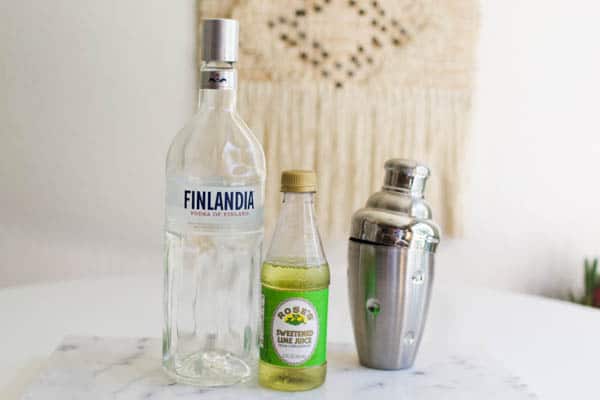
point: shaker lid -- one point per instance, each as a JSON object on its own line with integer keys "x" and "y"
{"x": 398, "y": 215}
{"x": 405, "y": 175}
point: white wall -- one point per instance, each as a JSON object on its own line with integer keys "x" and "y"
{"x": 533, "y": 204}
{"x": 91, "y": 93}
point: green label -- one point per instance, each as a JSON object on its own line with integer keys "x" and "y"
{"x": 294, "y": 327}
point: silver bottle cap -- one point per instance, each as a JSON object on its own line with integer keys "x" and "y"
{"x": 220, "y": 40}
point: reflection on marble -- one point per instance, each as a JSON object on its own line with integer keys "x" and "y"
{"x": 94, "y": 368}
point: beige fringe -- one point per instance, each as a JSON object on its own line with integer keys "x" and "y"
{"x": 346, "y": 136}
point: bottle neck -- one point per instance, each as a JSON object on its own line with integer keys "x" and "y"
{"x": 218, "y": 86}
{"x": 298, "y": 205}
{"x": 296, "y": 238}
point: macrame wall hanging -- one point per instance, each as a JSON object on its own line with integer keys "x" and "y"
{"x": 340, "y": 86}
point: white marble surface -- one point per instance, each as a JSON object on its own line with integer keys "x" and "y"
{"x": 96, "y": 368}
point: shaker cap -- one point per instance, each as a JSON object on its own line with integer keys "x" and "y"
{"x": 298, "y": 181}
{"x": 405, "y": 175}
{"x": 220, "y": 40}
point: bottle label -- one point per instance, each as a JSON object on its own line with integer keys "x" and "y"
{"x": 294, "y": 327}
{"x": 191, "y": 203}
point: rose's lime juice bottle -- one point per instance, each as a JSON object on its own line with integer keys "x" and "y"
{"x": 295, "y": 288}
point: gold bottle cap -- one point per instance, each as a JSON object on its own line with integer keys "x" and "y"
{"x": 298, "y": 181}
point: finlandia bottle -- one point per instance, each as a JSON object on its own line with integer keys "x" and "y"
{"x": 295, "y": 287}
{"x": 215, "y": 176}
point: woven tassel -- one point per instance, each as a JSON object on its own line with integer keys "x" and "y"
{"x": 347, "y": 134}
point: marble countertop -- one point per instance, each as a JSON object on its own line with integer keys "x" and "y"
{"x": 549, "y": 346}
{"x": 95, "y": 368}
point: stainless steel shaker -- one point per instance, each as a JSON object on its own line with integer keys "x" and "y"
{"x": 390, "y": 268}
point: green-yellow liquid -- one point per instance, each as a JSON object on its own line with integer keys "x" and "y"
{"x": 296, "y": 278}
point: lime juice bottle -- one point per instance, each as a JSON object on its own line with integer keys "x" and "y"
{"x": 295, "y": 288}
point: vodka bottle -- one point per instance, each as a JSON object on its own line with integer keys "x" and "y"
{"x": 295, "y": 282}
{"x": 215, "y": 176}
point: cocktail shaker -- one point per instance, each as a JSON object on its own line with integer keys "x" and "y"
{"x": 390, "y": 268}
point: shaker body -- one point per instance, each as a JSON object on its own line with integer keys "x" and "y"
{"x": 389, "y": 289}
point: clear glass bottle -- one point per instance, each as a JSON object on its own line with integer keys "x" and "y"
{"x": 215, "y": 176}
{"x": 295, "y": 287}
